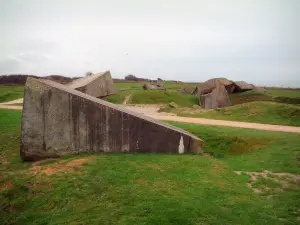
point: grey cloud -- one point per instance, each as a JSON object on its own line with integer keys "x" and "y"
{"x": 8, "y": 66}
{"x": 32, "y": 57}
{"x": 191, "y": 40}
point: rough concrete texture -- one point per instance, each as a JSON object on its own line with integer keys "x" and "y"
{"x": 58, "y": 120}
{"x": 259, "y": 89}
{"x": 160, "y": 82}
{"x": 218, "y": 98}
{"x": 154, "y": 85}
{"x": 243, "y": 86}
{"x": 97, "y": 85}
{"x": 149, "y": 86}
{"x": 209, "y": 85}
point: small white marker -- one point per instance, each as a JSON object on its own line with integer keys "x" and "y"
{"x": 181, "y": 146}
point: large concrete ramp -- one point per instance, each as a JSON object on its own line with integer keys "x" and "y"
{"x": 58, "y": 120}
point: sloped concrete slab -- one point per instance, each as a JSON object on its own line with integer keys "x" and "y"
{"x": 97, "y": 85}
{"x": 58, "y": 120}
{"x": 243, "y": 86}
{"x": 218, "y": 98}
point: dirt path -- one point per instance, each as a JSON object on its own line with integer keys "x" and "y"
{"x": 258, "y": 126}
{"x": 17, "y": 101}
{"x": 126, "y": 99}
{"x": 152, "y": 111}
{"x": 17, "y": 107}
{"x": 10, "y": 105}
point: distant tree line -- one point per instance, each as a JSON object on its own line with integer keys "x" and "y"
{"x": 131, "y": 77}
{"x": 20, "y": 79}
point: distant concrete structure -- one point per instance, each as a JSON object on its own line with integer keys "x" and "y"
{"x": 218, "y": 98}
{"x": 260, "y": 89}
{"x": 211, "y": 84}
{"x": 154, "y": 85}
{"x": 243, "y": 86}
{"x": 58, "y": 120}
{"x": 97, "y": 85}
{"x": 149, "y": 86}
{"x": 196, "y": 90}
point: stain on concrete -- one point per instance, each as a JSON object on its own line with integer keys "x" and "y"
{"x": 181, "y": 146}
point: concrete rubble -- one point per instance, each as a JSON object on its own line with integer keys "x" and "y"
{"x": 218, "y": 98}
{"x": 242, "y": 86}
{"x": 97, "y": 85}
{"x": 211, "y": 84}
{"x": 154, "y": 85}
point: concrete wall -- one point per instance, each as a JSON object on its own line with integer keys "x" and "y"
{"x": 58, "y": 120}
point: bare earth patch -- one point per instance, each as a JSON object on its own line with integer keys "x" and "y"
{"x": 60, "y": 166}
{"x": 126, "y": 99}
{"x": 262, "y": 181}
{"x": 6, "y": 185}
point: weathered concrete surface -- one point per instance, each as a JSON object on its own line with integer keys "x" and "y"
{"x": 209, "y": 85}
{"x": 97, "y": 85}
{"x": 149, "y": 86}
{"x": 154, "y": 85}
{"x": 259, "y": 89}
{"x": 243, "y": 86}
{"x": 218, "y": 98}
{"x": 58, "y": 120}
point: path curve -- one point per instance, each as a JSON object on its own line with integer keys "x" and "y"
{"x": 126, "y": 99}
{"x": 151, "y": 111}
{"x": 10, "y": 104}
{"x": 227, "y": 123}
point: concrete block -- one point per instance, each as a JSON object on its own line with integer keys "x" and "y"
{"x": 97, "y": 85}
{"x": 58, "y": 120}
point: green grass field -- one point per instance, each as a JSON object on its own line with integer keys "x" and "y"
{"x": 154, "y": 188}
{"x": 140, "y": 96}
{"x": 251, "y": 106}
{"x": 153, "y": 97}
{"x": 283, "y": 93}
{"x": 9, "y": 93}
{"x": 248, "y": 96}
{"x": 257, "y": 112}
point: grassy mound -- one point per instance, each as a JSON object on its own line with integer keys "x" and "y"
{"x": 153, "y": 97}
{"x": 9, "y": 93}
{"x": 248, "y": 96}
{"x": 140, "y": 96}
{"x": 118, "y": 98}
{"x": 287, "y": 100}
{"x": 257, "y": 112}
{"x": 152, "y": 188}
{"x": 163, "y": 97}
{"x": 290, "y": 93}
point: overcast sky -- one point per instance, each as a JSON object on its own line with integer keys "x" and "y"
{"x": 252, "y": 40}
